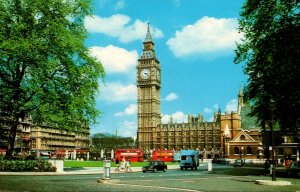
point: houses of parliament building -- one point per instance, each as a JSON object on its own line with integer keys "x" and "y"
{"x": 222, "y": 136}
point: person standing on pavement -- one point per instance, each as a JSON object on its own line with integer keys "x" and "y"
{"x": 128, "y": 165}
{"x": 118, "y": 165}
{"x": 123, "y": 164}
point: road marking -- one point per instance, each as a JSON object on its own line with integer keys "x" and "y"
{"x": 158, "y": 187}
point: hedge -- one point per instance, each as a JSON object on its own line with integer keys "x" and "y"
{"x": 26, "y": 165}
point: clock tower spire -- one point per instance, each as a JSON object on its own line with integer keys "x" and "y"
{"x": 148, "y": 92}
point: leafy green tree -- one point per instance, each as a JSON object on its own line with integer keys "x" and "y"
{"x": 46, "y": 72}
{"x": 107, "y": 141}
{"x": 270, "y": 49}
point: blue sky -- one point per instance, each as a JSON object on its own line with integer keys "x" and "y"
{"x": 194, "y": 41}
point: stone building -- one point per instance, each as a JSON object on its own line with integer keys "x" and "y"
{"x": 148, "y": 91}
{"x": 42, "y": 139}
{"x": 45, "y": 139}
{"x": 152, "y": 134}
{"x": 195, "y": 134}
{"x": 241, "y": 135}
{"x": 230, "y": 134}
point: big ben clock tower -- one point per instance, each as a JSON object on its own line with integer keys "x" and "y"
{"x": 148, "y": 90}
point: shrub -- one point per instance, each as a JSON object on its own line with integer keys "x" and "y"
{"x": 26, "y": 165}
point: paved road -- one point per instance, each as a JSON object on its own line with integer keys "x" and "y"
{"x": 172, "y": 180}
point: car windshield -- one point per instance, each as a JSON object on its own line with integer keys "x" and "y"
{"x": 154, "y": 163}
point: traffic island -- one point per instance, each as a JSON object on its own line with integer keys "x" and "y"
{"x": 108, "y": 181}
{"x": 273, "y": 183}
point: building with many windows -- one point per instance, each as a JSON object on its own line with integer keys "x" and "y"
{"x": 227, "y": 135}
{"x": 42, "y": 139}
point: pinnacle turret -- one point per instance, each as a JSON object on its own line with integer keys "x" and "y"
{"x": 148, "y": 35}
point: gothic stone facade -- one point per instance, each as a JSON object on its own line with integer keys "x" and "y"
{"x": 152, "y": 134}
{"x": 192, "y": 135}
{"x": 223, "y": 137}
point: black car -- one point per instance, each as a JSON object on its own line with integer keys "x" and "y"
{"x": 155, "y": 166}
{"x": 220, "y": 161}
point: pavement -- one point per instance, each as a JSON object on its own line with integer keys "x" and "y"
{"x": 81, "y": 171}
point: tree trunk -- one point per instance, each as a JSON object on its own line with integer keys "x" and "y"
{"x": 11, "y": 139}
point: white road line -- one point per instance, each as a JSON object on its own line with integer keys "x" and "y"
{"x": 158, "y": 187}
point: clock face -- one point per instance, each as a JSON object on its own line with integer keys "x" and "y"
{"x": 145, "y": 74}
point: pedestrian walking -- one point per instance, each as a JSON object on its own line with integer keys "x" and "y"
{"x": 128, "y": 165}
{"x": 123, "y": 165}
{"x": 287, "y": 165}
{"x": 118, "y": 165}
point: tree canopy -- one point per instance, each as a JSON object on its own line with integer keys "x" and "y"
{"x": 270, "y": 50}
{"x": 46, "y": 72}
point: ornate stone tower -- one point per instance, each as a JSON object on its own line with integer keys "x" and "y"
{"x": 148, "y": 90}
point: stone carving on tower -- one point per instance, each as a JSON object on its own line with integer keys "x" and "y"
{"x": 148, "y": 91}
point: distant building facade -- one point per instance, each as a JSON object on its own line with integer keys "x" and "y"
{"x": 32, "y": 138}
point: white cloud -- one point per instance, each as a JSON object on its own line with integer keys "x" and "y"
{"x": 130, "y": 110}
{"x": 116, "y": 91}
{"x": 207, "y": 110}
{"x": 118, "y": 26}
{"x": 171, "y": 97}
{"x": 207, "y": 35}
{"x": 231, "y": 105}
{"x": 120, "y": 5}
{"x": 115, "y": 59}
{"x": 178, "y": 117}
{"x": 128, "y": 129}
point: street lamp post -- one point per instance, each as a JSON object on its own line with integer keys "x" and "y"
{"x": 272, "y": 142}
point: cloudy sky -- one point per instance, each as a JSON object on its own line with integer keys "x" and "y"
{"x": 194, "y": 41}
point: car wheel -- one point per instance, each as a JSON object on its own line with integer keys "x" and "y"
{"x": 181, "y": 168}
{"x": 144, "y": 171}
{"x": 196, "y": 168}
{"x": 164, "y": 170}
{"x": 154, "y": 170}
{"x": 192, "y": 168}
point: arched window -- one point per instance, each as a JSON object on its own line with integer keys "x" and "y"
{"x": 236, "y": 150}
{"x": 249, "y": 150}
{"x": 242, "y": 138}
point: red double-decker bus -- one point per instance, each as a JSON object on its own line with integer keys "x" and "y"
{"x": 163, "y": 155}
{"x": 135, "y": 155}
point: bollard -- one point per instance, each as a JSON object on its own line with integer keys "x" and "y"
{"x": 209, "y": 168}
{"x": 106, "y": 169}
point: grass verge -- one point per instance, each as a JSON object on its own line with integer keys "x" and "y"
{"x": 70, "y": 163}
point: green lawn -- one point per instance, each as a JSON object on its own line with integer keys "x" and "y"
{"x": 70, "y": 163}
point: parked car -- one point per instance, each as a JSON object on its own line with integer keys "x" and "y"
{"x": 220, "y": 161}
{"x": 238, "y": 163}
{"x": 155, "y": 166}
